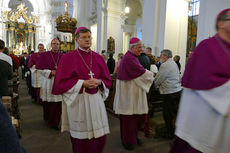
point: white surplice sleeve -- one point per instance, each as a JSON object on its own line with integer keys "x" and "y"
{"x": 104, "y": 92}
{"x": 218, "y": 98}
{"x": 70, "y": 96}
{"x": 145, "y": 80}
{"x": 203, "y": 119}
{"x": 45, "y": 73}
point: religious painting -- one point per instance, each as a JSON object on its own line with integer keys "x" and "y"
{"x": 111, "y": 44}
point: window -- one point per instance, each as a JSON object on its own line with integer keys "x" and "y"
{"x": 194, "y": 7}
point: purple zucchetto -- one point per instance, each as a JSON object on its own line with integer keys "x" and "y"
{"x": 223, "y": 11}
{"x": 134, "y": 40}
{"x": 79, "y": 29}
{"x": 54, "y": 39}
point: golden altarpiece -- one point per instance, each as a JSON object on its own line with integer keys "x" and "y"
{"x": 20, "y": 30}
{"x": 67, "y": 26}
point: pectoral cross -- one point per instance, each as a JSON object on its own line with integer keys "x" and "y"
{"x": 91, "y": 74}
{"x": 55, "y": 66}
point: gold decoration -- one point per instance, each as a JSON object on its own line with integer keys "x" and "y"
{"x": 20, "y": 35}
{"x": 20, "y": 12}
{"x": 66, "y": 23}
{"x": 66, "y": 6}
{"x": 5, "y": 15}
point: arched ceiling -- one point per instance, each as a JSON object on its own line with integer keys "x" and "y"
{"x": 135, "y": 11}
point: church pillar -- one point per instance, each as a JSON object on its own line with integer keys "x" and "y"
{"x": 26, "y": 38}
{"x": 81, "y": 12}
{"x": 105, "y": 14}
{"x": 150, "y": 24}
{"x": 166, "y": 27}
{"x": 34, "y": 38}
{"x": 99, "y": 25}
{"x": 7, "y": 35}
{"x": 30, "y": 32}
{"x": 11, "y": 31}
{"x": 115, "y": 21}
{"x": 207, "y": 17}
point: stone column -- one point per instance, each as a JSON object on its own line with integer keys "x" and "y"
{"x": 26, "y": 38}
{"x": 165, "y": 26}
{"x": 153, "y": 29}
{"x": 105, "y": 14}
{"x": 99, "y": 25}
{"x": 115, "y": 21}
{"x": 34, "y": 38}
{"x": 150, "y": 24}
{"x": 11, "y": 31}
{"x": 30, "y": 32}
{"x": 7, "y": 36}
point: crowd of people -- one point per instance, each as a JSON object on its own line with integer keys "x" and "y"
{"x": 72, "y": 88}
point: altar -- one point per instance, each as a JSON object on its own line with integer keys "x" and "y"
{"x": 20, "y": 30}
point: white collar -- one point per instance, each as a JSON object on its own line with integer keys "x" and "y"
{"x": 87, "y": 51}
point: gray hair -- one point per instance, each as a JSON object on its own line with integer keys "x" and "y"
{"x": 167, "y": 52}
{"x": 132, "y": 45}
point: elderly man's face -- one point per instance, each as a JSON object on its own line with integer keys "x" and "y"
{"x": 137, "y": 49}
{"x": 226, "y": 25}
{"x": 55, "y": 45}
{"x": 163, "y": 58}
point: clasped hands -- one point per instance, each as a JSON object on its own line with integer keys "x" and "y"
{"x": 91, "y": 83}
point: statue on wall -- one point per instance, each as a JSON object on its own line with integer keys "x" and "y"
{"x": 66, "y": 6}
{"x": 111, "y": 44}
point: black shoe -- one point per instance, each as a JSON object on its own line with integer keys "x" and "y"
{"x": 128, "y": 146}
{"x": 163, "y": 133}
{"x": 55, "y": 127}
{"x": 139, "y": 142}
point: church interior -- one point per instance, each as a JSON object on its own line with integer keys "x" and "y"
{"x": 178, "y": 25}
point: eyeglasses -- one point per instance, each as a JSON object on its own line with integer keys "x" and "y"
{"x": 84, "y": 38}
{"x": 226, "y": 19}
{"x": 55, "y": 43}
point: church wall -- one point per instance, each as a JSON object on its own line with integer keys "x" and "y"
{"x": 207, "y": 17}
{"x": 114, "y": 28}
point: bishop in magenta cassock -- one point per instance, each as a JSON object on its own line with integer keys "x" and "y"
{"x": 83, "y": 80}
{"x": 133, "y": 82}
{"x": 47, "y": 65}
{"x": 203, "y": 121}
{"x": 35, "y": 74}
